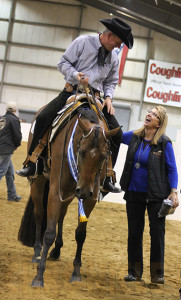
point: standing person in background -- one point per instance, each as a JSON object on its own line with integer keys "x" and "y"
{"x": 88, "y": 60}
{"x": 10, "y": 139}
{"x": 149, "y": 176}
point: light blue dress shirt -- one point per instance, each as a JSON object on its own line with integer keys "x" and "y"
{"x": 81, "y": 56}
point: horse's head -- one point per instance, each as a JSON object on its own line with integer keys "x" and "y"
{"x": 93, "y": 150}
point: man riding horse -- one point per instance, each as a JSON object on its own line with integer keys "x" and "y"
{"x": 89, "y": 60}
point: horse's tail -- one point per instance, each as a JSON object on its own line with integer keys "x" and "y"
{"x": 27, "y": 230}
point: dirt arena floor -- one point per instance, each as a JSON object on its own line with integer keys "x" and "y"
{"x": 104, "y": 259}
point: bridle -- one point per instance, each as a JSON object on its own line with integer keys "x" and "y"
{"x": 107, "y": 154}
{"x": 91, "y": 130}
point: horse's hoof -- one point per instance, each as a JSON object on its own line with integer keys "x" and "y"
{"x": 36, "y": 259}
{"x": 37, "y": 283}
{"x": 54, "y": 255}
{"x": 75, "y": 277}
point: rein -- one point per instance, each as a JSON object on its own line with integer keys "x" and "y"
{"x": 95, "y": 103}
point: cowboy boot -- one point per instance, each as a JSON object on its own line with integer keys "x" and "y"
{"x": 108, "y": 186}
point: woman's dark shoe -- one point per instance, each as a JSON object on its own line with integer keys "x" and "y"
{"x": 158, "y": 280}
{"x": 130, "y": 277}
{"x": 28, "y": 170}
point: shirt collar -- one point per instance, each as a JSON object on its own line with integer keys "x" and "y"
{"x": 97, "y": 40}
{"x": 98, "y": 45}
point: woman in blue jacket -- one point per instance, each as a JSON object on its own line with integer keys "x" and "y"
{"x": 149, "y": 176}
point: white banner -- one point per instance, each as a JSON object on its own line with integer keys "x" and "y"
{"x": 163, "y": 84}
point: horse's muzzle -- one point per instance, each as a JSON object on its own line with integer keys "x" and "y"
{"x": 83, "y": 194}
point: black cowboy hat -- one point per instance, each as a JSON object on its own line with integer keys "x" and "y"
{"x": 121, "y": 29}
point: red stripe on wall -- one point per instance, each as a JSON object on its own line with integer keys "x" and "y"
{"x": 122, "y": 63}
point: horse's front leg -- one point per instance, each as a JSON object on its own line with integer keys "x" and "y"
{"x": 48, "y": 240}
{"x": 80, "y": 236}
{"x": 49, "y": 237}
{"x": 55, "y": 253}
{"x": 39, "y": 191}
{"x": 38, "y": 245}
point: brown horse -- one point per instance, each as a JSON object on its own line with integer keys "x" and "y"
{"x": 90, "y": 143}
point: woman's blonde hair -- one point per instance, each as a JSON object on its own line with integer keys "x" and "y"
{"x": 163, "y": 118}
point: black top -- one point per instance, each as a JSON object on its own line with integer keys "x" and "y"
{"x": 10, "y": 133}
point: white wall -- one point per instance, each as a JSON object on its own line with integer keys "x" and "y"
{"x": 40, "y": 33}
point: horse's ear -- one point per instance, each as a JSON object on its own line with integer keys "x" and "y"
{"x": 112, "y": 132}
{"x": 82, "y": 125}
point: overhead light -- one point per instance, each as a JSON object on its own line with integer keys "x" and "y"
{"x": 127, "y": 15}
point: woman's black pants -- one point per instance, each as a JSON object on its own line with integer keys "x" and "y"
{"x": 136, "y": 222}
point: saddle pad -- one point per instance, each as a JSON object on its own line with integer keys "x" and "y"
{"x": 63, "y": 115}
{"x": 73, "y": 103}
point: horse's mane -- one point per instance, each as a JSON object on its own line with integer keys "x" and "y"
{"x": 89, "y": 114}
